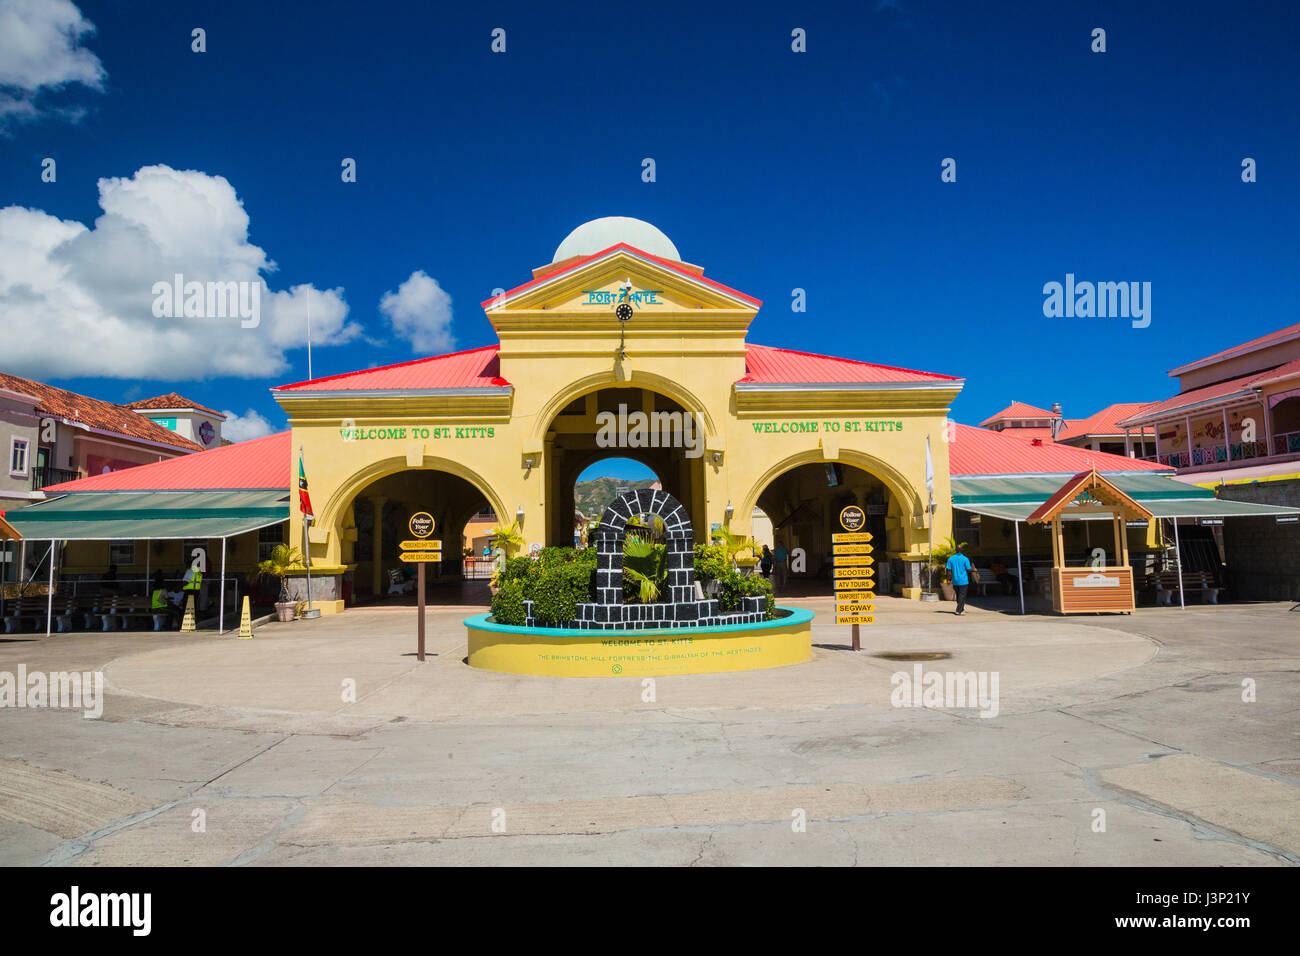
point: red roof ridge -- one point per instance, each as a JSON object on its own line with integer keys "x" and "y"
{"x": 838, "y": 358}
{"x": 383, "y": 368}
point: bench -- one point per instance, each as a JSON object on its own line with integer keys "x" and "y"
{"x": 25, "y": 609}
{"x": 1165, "y": 586}
{"x": 128, "y": 609}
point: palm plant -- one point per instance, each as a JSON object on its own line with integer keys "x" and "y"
{"x": 645, "y": 564}
{"x": 739, "y": 547}
{"x": 508, "y": 537}
{"x": 939, "y": 556}
{"x": 283, "y": 559}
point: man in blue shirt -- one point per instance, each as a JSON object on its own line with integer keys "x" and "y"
{"x": 780, "y": 557}
{"x": 959, "y": 567}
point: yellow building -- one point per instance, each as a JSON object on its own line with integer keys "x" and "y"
{"x": 618, "y": 348}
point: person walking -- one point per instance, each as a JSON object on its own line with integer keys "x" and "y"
{"x": 959, "y": 567}
{"x": 780, "y": 564}
{"x": 766, "y": 562}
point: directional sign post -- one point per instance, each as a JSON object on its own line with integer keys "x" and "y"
{"x": 420, "y": 551}
{"x": 851, "y": 553}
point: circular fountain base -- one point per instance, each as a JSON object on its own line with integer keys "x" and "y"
{"x": 572, "y": 652}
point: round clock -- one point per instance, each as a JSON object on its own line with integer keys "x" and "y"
{"x": 624, "y": 312}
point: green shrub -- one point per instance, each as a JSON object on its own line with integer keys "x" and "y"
{"x": 508, "y": 603}
{"x": 758, "y": 586}
{"x": 711, "y": 562}
{"x": 731, "y": 587}
{"x": 558, "y": 591}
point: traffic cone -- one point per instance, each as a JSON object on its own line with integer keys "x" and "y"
{"x": 187, "y": 622}
{"x": 246, "y": 622}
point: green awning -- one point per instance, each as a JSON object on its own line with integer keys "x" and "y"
{"x": 153, "y": 515}
{"x": 1015, "y": 499}
{"x": 1140, "y": 486}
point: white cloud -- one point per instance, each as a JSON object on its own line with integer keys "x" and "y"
{"x": 246, "y": 426}
{"x": 40, "y": 50}
{"x": 79, "y": 301}
{"x": 420, "y": 311}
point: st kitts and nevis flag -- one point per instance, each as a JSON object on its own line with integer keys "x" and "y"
{"x": 304, "y": 499}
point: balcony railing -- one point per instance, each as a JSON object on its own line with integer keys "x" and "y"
{"x": 52, "y": 476}
{"x": 1287, "y": 443}
{"x": 1220, "y": 454}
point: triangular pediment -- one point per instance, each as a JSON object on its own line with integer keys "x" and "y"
{"x": 598, "y": 284}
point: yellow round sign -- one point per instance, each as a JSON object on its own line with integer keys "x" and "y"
{"x": 852, "y": 518}
{"x": 421, "y": 524}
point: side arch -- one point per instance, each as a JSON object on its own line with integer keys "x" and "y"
{"x": 343, "y": 496}
{"x": 892, "y": 478}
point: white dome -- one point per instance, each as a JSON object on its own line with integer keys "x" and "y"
{"x": 592, "y": 237}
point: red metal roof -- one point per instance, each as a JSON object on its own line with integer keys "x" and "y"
{"x": 980, "y": 451}
{"x": 95, "y": 413}
{"x": 1104, "y": 422}
{"x": 1207, "y": 394}
{"x": 1016, "y": 411}
{"x": 773, "y": 366}
{"x": 562, "y": 269}
{"x": 1026, "y": 434}
{"x": 257, "y": 463}
{"x": 172, "y": 401}
{"x": 1281, "y": 335}
{"x": 475, "y": 368}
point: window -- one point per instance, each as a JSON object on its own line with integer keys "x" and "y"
{"x": 267, "y": 539}
{"x": 18, "y": 457}
{"x": 121, "y": 553}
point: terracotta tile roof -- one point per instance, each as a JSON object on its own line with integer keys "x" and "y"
{"x": 773, "y": 366}
{"x": 1272, "y": 338}
{"x": 476, "y": 368}
{"x": 95, "y": 413}
{"x": 980, "y": 451}
{"x": 172, "y": 400}
{"x": 265, "y": 462}
{"x": 1017, "y": 410}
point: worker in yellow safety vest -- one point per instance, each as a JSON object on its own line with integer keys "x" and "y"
{"x": 158, "y": 602}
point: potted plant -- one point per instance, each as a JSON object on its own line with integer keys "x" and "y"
{"x": 508, "y": 538}
{"x": 282, "y": 560}
{"x": 939, "y": 566}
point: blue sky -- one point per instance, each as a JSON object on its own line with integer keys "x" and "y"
{"x": 775, "y": 170}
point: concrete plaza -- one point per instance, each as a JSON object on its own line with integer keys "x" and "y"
{"x": 1134, "y": 722}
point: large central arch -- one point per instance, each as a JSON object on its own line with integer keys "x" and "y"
{"x": 569, "y": 428}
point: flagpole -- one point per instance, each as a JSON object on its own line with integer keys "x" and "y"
{"x": 309, "y": 335}
{"x": 929, "y": 488}
{"x": 306, "y": 536}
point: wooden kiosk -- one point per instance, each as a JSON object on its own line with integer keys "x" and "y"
{"x": 1089, "y": 590}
